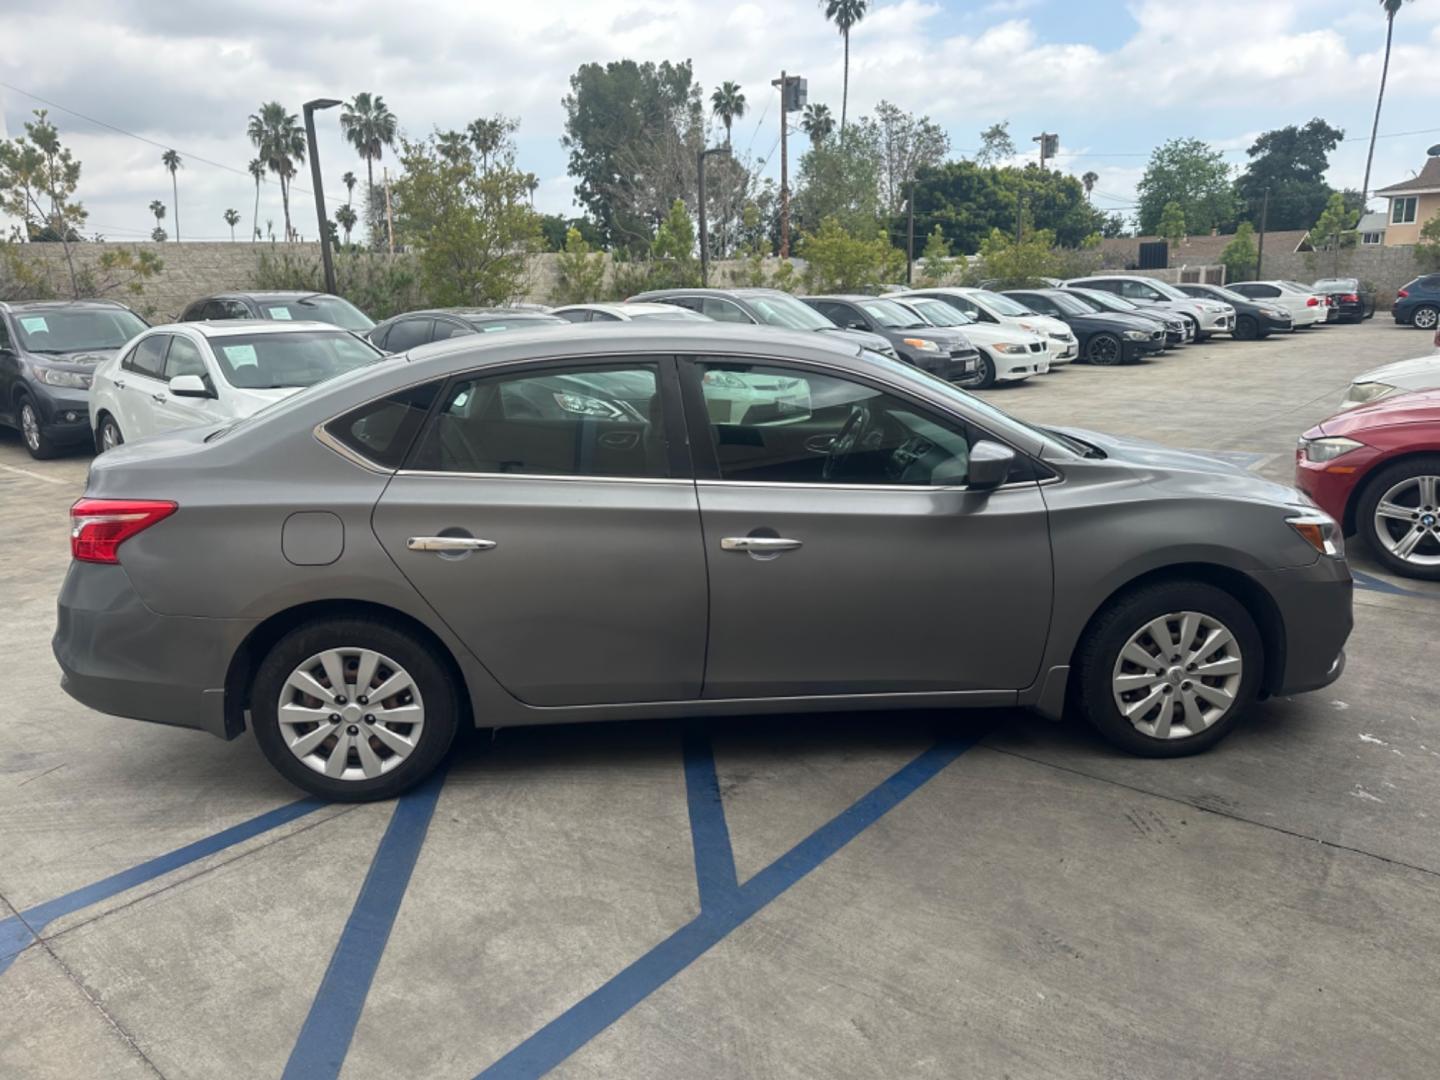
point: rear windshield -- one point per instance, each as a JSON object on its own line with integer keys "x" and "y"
{"x": 56, "y": 330}
{"x": 1002, "y": 305}
{"x": 938, "y": 312}
{"x": 788, "y": 313}
{"x": 304, "y": 358}
{"x": 317, "y": 308}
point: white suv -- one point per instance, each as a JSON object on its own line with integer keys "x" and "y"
{"x": 1207, "y": 316}
{"x": 198, "y": 373}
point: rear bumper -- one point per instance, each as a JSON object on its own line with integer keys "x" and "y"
{"x": 119, "y": 657}
{"x": 1315, "y": 610}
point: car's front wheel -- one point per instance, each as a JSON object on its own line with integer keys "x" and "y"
{"x": 40, "y": 445}
{"x": 1399, "y": 516}
{"x": 1168, "y": 669}
{"x": 353, "y": 709}
{"x": 1106, "y": 350}
{"x": 1246, "y": 328}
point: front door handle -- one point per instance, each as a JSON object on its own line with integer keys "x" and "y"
{"x": 761, "y": 544}
{"x": 157, "y": 397}
{"x": 119, "y": 384}
{"x": 448, "y": 543}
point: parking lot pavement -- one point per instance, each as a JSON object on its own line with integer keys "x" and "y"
{"x": 892, "y": 894}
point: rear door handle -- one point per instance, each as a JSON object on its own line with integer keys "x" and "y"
{"x": 448, "y": 543}
{"x": 119, "y": 384}
{"x": 758, "y": 543}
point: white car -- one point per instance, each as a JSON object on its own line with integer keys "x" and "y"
{"x": 1306, "y": 307}
{"x": 1007, "y": 353}
{"x": 636, "y": 312}
{"x": 1206, "y": 316}
{"x": 199, "y": 373}
{"x": 1401, "y": 377}
{"x": 993, "y": 309}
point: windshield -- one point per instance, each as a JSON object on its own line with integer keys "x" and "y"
{"x": 938, "y": 312}
{"x": 56, "y": 330}
{"x": 300, "y": 397}
{"x": 1221, "y": 293}
{"x": 673, "y": 315}
{"x": 494, "y": 324}
{"x": 320, "y": 308}
{"x": 1104, "y": 301}
{"x": 787, "y": 312}
{"x": 1336, "y": 283}
{"x": 1167, "y": 290}
{"x": 888, "y": 313}
{"x": 304, "y": 358}
{"x": 1001, "y": 305}
{"x": 1071, "y": 305}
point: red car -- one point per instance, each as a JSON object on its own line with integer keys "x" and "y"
{"x": 1376, "y": 470}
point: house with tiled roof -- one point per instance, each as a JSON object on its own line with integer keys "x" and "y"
{"x": 1412, "y": 203}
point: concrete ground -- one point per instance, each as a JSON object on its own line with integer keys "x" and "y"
{"x": 931, "y": 895}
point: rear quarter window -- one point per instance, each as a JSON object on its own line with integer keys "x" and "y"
{"x": 382, "y": 431}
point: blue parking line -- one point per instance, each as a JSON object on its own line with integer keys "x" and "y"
{"x": 1375, "y": 584}
{"x": 18, "y": 931}
{"x": 568, "y": 1032}
{"x": 325, "y": 1036}
{"x": 709, "y": 835}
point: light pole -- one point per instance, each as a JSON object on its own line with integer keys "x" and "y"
{"x": 700, "y": 156}
{"x": 310, "y": 107}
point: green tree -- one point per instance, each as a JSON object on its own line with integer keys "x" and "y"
{"x": 1427, "y": 251}
{"x": 907, "y": 143}
{"x": 969, "y": 200}
{"x": 473, "y": 230}
{"x": 839, "y": 261}
{"x": 157, "y": 209}
{"x": 1017, "y": 265}
{"x": 728, "y": 103}
{"x": 369, "y": 126}
{"x": 840, "y": 179}
{"x": 1290, "y": 164}
{"x": 489, "y": 135}
{"x": 632, "y": 131}
{"x": 280, "y": 140}
{"x": 349, "y": 181}
{"x": 1188, "y": 172}
{"x": 173, "y": 164}
{"x": 995, "y": 144}
{"x": 1172, "y": 224}
{"x": 579, "y": 272}
{"x": 846, "y": 15}
{"x": 257, "y": 170}
{"x": 1088, "y": 181}
{"x": 1334, "y": 230}
{"x": 1391, "y": 8}
{"x": 1240, "y": 255}
{"x": 38, "y": 179}
{"x": 674, "y": 264}
{"x": 159, "y": 235}
{"x": 817, "y": 122}
{"x": 347, "y": 218}
{"x": 935, "y": 262}
{"x": 232, "y": 218}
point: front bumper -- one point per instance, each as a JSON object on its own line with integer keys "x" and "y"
{"x": 1134, "y": 350}
{"x": 119, "y": 657}
{"x": 1216, "y": 322}
{"x": 64, "y": 414}
{"x": 1315, "y": 605}
{"x": 1274, "y": 326}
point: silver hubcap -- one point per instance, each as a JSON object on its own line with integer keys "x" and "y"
{"x": 1426, "y": 318}
{"x": 30, "y": 426}
{"x": 351, "y": 713}
{"x": 1407, "y": 520}
{"x": 109, "y": 436}
{"x": 1178, "y": 675}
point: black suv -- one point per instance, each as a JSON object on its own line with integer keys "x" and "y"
{"x": 286, "y": 306}
{"x": 48, "y": 353}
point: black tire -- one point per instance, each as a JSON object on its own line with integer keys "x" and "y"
{"x": 1425, "y": 317}
{"x": 987, "y": 373}
{"x": 1124, "y": 616}
{"x": 108, "y": 425}
{"x": 1246, "y": 328}
{"x": 1105, "y": 350}
{"x": 1377, "y": 486}
{"x": 436, "y": 687}
{"x": 40, "y": 445}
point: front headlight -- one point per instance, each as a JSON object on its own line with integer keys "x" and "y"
{"x": 1136, "y": 335}
{"x": 921, "y": 344}
{"x": 1011, "y": 348}
{"x": 1274, "y": 313}
{"x": 1320, "y": 532}
{"x": 1320, "y": 451}
{"x": 1366, "y": 392}
{"x": 76, "y": 380}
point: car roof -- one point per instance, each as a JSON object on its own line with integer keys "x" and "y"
{"x": 628, "y": 307}
{"x": 476, "y": 313}
{"x": 53, "y": 305}
{"x": 231, "y": 327}
{"x": 266, "y": 294}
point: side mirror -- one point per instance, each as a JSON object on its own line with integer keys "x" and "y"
{"x": 856, "y": 324}
{"x": 192, "y": 386}
{"x": 985, "y": 316}
{"x": 990, "y": 465}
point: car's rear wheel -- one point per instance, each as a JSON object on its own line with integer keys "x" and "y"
{"x": 1246, "y": 328}
{"x": 987, "y": 372}
{"x": 40, "y": 445}
{"x": 108, "y": 437}
{"x": 1426, "y": 317}
{"x": 353, "y": 709}
{"x": 1399, "y": 515}
{"x": 1105, "y": 350}
{"x": 1168, "y": 669}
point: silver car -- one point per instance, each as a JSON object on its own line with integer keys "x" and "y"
{"x": 553, "y": 525}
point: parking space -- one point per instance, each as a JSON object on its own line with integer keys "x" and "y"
{"x": 920, "y": 894}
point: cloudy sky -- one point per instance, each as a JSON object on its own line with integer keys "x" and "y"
{"x": 1113, "y": 77}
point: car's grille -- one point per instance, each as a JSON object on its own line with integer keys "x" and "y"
{"x": 1063, "y": 337}
{"x": 1038, "y": 346}
{"x": 964, "y": 354}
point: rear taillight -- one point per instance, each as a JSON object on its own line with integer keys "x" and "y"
{"x": 100, "y": 526}
{"x": 1314, "y": 301}
{"x": 1349, "y": 298}
{"x": 1402, "y": 294}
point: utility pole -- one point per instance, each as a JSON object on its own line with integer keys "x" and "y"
{"x": 700, "y": 156}
{"x": 1049, "y": 146}
{"x": 389, "y": 215}
{"x": 1020, "y": 217}
{"x": 310, "y": 107}
{"x": 910, "y": 233}
{"x": 792, "y": 97}
{"x": 1260, "y": 247}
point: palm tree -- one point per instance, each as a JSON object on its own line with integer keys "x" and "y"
{"x": 232, "y": 218}
{"x": 158, "y": 209}
{"x": 845, "y": 14}
{"x": 1090, "y": 179}
{"x": 278, "y": 136}
{"x": 171, "y": 160}
{"x": 369, "y": 126}
{"x": 349, "y": 181}
{"x": 345, "y": 215}
{"x": 1391, "y": 8}
{"x": 257, "y": 170}
{"x": 817, "y": 122}
{"x": 728, "y": 103}
{"x": 487, "y": 134}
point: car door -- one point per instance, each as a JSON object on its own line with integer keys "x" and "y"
{"x": 858, "y": 575}
{"x": 9, "y": 373}
{"x": 168, "y": 411}
{"x": 140, "y": 385}
{"x": 548, "y": 515}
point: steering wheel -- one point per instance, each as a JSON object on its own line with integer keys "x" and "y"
{"x": 845, "y": 441}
